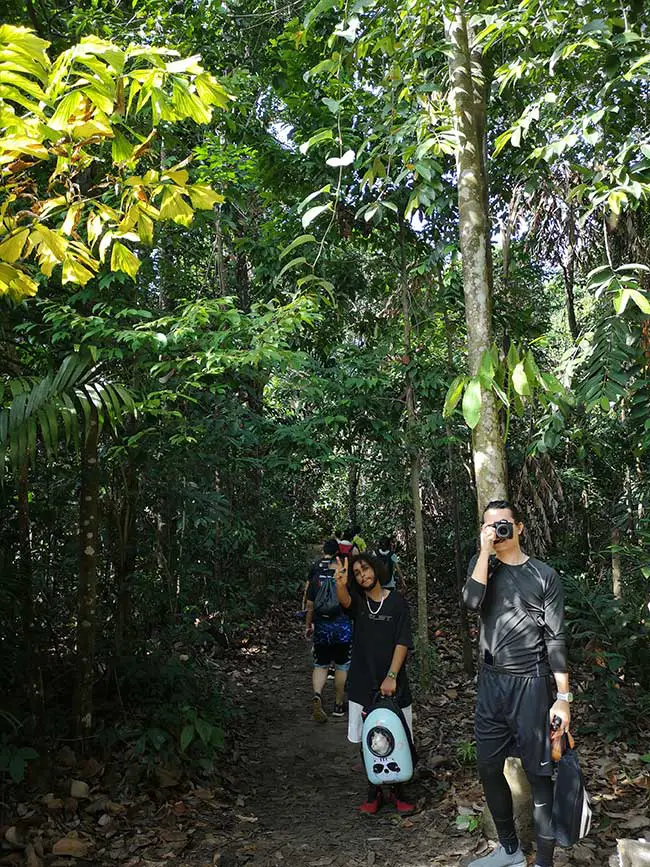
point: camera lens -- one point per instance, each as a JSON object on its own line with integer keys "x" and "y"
{"x": 503, "y": 529}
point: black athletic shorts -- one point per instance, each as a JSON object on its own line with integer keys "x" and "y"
{"x": 512, "y": 719}
{"x": 339, "y": 654}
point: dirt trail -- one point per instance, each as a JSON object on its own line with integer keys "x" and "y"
{"x": 303, "y": 782}
{"x": 297, "y": 784}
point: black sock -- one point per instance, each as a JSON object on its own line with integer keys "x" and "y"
{"x": 373, "y": 792}
{"x": 499, "y": 799}
{"x": 544, "y": 855}
{"x": 509, "y": 843}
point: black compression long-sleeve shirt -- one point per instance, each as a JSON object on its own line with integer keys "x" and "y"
{"x": 510, "y": 638}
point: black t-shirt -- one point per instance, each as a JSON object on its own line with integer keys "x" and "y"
{"x": 373, "y": 644}
{"x": 520, "y": 642}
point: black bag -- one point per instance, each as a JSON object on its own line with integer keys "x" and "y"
{"x": 571, "y": 805}
{"x": 326, "y": 603}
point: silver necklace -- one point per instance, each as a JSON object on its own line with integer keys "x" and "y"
{"x": 383, "y": 598}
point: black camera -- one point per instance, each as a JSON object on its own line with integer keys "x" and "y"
{"x": 503, "y": 528}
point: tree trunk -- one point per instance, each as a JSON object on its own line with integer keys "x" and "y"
{"x": 568, "y": 269}
{"x": 126, "y": 554}
{"x": 353, "y": 489}
{"x": 33, "y": 682}
{"x": 222, "y": 281}
{"x": 88, "y": 543}
{"x": 468, "y": 104}
{"x": 616, "y": 564}
{"x": 25, "y": 558}
{"x": 416, "y": 465}
{"x": 463, "y": 622}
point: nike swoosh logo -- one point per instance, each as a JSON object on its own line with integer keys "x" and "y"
{"x": 539, "y": 805}
{"x": 544, "y": 763}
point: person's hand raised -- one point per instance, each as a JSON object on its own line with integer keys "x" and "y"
{"x": 341, "y": 573}
{"x": 488, "y": 537}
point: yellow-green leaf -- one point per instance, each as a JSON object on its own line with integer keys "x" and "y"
{"x": 75, "y": 272}
{"x": 186, "y": 64}
{"x": 189, "y": 105}
{"x": 15, "y": 283}
{"x": 180, "y": 176}
{"x": 145, "y": 229}
{"x": 123, "y": 259}
{"x": 203, "y": 197}
{"x": 72, "y": 218}
{"x": 51, "y": 247}
{"x": 211, "y": 92}
{"x": 70, "y": 105}
{"x": 174, "y": 207}
{"x": 121, "y": 148}
{"x": 12, "y": 247}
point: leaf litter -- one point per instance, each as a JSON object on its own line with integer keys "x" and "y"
{"x": 288, "y": 789}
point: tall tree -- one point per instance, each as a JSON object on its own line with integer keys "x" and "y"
{"x": 468, "y": 103}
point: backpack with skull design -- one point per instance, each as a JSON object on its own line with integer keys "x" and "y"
{"x": 388, "y": 752}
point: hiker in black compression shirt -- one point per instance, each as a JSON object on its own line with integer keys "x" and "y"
{"x": 523, "y": 680}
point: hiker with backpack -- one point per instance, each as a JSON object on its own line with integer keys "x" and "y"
{"x": 523, "y": 684}
{"x": 331, "y": 631}
{"x": 381, "y": 641}
{"x": 389, "y": 558}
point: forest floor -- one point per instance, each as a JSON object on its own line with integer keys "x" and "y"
{"x": 289, "y": 790}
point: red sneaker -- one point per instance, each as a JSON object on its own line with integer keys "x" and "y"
{"x": 371, "y": 807}
{"x": 401, "y": 806}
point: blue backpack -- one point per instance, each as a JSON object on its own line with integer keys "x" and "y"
{"x": 388, "y": 752}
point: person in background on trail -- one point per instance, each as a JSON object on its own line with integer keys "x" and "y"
{"x": 381, "y": 641}
{"x": 523, "y": 656}
{"x": 347, "y": 548}
{"x": 315, "y": 567}
{"x": 357, "y": 539}
{"x": 332, "y": 633}
{"x": 390, "y": 560}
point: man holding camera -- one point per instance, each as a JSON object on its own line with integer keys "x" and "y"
{"x": 523, "y": 680}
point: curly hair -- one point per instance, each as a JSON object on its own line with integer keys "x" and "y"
{"x": 377, "y": 565}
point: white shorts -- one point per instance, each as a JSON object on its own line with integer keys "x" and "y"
{"x": 355, "y": 720}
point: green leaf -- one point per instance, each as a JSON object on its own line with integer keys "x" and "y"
{"x": 333, "y": 105}
{"x": 204, "y": 729}
{"x": 310, "y": 198}
{"x": 454, "y": 393}
{"x": 17, "y": 767}
{"x": 317, "y": 138}
{"x": 293, "y": 263}
{"x": 297, "y": 242}
{"x": 486, "y": 370}
{"x": 520, "y": 380}
{"x": 187, "y": 736}
{"x": 319, "y": 9}
{"x": 472, "y": 403}
{"x": 310, "y": 215}
{"x": 640, "y": 300}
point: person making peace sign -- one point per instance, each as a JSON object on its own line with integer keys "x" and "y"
{"x": 381, "y": 641}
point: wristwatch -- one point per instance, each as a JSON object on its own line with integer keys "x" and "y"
{"x": 392, "y": 675}
{"x": 564, "y": 696}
